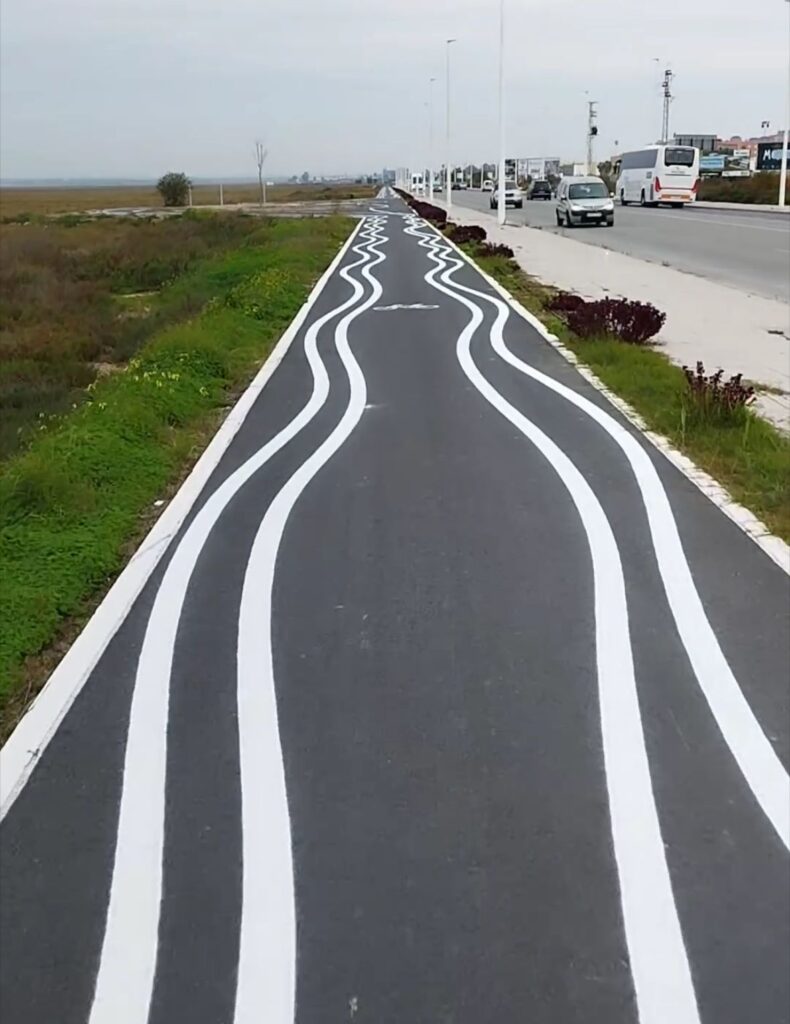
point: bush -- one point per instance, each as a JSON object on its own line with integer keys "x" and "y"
{"x": 487, "y": 249}
{"x": 634, "y": 322}
{"x": 462, "y": 234}
{"x": 760, "y": 188}
{"x": 564, "y": 302}
{"x": 174, "y": 188}
{"x": 712, "y": 398}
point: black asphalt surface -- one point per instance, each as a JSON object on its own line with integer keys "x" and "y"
{"x": 436, "y": 667}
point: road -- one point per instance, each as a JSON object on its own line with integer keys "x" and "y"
{"x": 748, "y": 250}
{"x": 451, "y": 701}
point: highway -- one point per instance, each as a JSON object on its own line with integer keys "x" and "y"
{"x": 450, "y": 700}
{"x": 748, "y": 250}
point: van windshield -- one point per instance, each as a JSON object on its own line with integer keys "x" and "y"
{"x": 588, "y": 190}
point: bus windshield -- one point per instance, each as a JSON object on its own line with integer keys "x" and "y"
{"x": 676, "y": 156}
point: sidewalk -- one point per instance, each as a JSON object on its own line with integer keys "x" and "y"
{"x": 721, "y": 326}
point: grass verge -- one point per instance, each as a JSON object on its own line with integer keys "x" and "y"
{"x": 70, "y": 503}
{"x": 750, "y": 459}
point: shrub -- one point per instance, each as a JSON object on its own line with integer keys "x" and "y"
{"x": 564, "y": 302}
{"x": 713, "y": 398}
{"x": 489, "y": 249}
{"x": 174, "y": 188}
{"x": 634, "y": 322}
{"x": 464, "y": 233}
{"x": 760, "y": 188}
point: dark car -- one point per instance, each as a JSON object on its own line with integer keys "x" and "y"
{"x": 539, "y": 190}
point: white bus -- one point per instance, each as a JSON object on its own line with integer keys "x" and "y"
{"x": 658, "y": 174}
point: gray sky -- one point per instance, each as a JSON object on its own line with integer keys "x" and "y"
{"x": 136, "y": 87}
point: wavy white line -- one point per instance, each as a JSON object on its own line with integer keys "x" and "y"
{"x": 659, "y": 964}
{"x": 267, "y": 956}
{"x": 127, "y": 966}
{"x": 758, "y": 761}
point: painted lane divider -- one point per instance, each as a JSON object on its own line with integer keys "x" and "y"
{"x": 265, "y": 989}
{"x": 659, "y": 963}
{"x": 127, "y": 966}
{"x": 753, "y": 752}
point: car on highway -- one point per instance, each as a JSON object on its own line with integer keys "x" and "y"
{"x": 584, "y": 200}
{"x": 513, "y": 196}
{"x": 540, "y": 189}
{"x": 459, "y": 186}
{"x": 487, "y": 186}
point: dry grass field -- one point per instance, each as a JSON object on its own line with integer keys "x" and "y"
{"x": 17, "y": 201}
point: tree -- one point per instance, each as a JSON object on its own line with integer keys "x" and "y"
{"x": 260, "y": 157}
{"x": 174, "y": 188}
{"x": 606, "y": 171}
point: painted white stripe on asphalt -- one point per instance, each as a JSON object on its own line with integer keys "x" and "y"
{"x": 659, "y": 964}
{"x": 30, "y": 738}
{"x": 125, "y": 978}
{"x": 265, "y": 990}
{"x": 751, "y": 748}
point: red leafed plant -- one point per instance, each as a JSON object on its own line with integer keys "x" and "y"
{"x": 489, "y": 249}
{"x": 713, "y": 397}
{"x": 626, "y": 319}
{"x": 462, "y": 233}
{"x": 564, "y": 302}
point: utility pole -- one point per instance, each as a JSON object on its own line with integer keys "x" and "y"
{"x": 592, "y": 131}
{"x": 430, "y": 138}
{"x": 666, "y": 87}
{"x": 785, "y": 157}
{"x": 501, "y": 211}
{"x": 260, "y": 157}
{"x": 447, "y": 172}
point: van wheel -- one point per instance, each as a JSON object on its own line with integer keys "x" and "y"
{"x": 642, "y": 201}
{"x": 623, "y": 200}
{"x": 568, "y": 221}
{"x": 559, "y": 219}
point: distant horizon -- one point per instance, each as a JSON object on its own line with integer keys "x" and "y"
{"x": 107, "y": 181}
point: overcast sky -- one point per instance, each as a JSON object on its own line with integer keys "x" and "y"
{"x": 136, "y": 87}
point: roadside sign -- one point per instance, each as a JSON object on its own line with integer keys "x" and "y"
{"x": 769, "y": 156}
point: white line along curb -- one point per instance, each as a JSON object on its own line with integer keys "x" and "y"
{"x": 29, "y": 739}
{"x": 776, "y": 549}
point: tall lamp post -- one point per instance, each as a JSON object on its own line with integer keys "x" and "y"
{"x": 783, "y": 172}
{"x": 501, "y": 212}
{"x": 448, "y": 174}
{"x": 430, "y": 139}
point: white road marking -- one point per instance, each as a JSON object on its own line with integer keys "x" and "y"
{"x": 125, "y": 978}
{"x": 398, "y": 305}
{"x": 265, "y": 989}
{"x": 30, "y": 738}
{"x": 751, "y": 748}
{"x": 659, "y": 964}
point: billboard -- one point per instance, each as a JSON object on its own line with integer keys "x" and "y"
{"x": 537, "y": 167}
{"x": 711, "y": 163}
{"x": 769, "y": 156}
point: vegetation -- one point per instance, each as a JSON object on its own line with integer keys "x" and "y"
{"x": 743, "y": 452}
{"x": 174, "y": 188}
{"x": 25, "y": 204}
{"x": 77, "y": 299}
{"x": 711, "y": 398}
{"x": 759, "y": 188}
{"x": 624, "y": 319}
{"x": 73, "y": 502}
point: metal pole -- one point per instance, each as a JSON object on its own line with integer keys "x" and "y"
{"x": 590, "y": 133}
{"x": 221, "y": 196}
{"x": 447, "y": 172}
{"x": 430, "y": 139}
{"x": 501, "y": 213}
{"x": 783, "y": 172}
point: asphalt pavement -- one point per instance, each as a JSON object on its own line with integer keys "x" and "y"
{"x": 749, "y": 250}
{"x": 452, "y": 700}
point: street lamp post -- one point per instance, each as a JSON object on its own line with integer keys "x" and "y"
{"x": 501, "y": 212}
{"x": 430, "y": 139}
{"x": 447, "y": 172}
{"x": 783, "y": 172}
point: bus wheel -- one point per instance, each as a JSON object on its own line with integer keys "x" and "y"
{"x": 623, "y": 200}
{"x": 678, "y": 206}
{"x": 642, "y": 201}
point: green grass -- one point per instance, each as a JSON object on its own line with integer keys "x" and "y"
{"x": 71, "y": 502}
{"x": 748, "y": 456}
